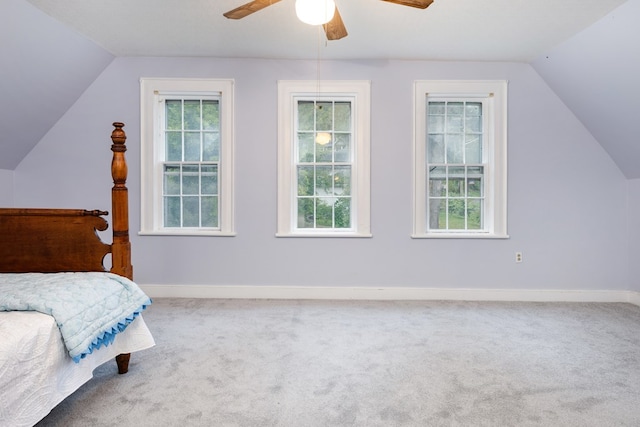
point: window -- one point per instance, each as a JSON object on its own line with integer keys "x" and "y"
{"x": 460, "y": 151}
{"x": 323, "y": 158}
{"x": 187, "y": 156}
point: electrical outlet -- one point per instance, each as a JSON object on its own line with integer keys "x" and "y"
{"x": 518, "y": 256}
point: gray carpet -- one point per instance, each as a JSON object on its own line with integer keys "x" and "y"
{"x": 345, "y": 363}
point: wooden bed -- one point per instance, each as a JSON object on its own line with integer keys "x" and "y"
{"x": 67, "y": 240}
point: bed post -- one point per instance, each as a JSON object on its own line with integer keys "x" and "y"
{"x": 121, "y": 246}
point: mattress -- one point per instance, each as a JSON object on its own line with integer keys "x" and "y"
{"x": 36, "y": 372}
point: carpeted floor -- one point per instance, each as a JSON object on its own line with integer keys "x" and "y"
{"x": 360, "y": 363}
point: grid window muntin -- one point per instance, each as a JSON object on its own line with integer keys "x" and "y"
{"x": 359, "y": 92}
{"x": 190, "y": 195}
{"x": 456, "y": 162}
{"x": 191, "y": 134}
{"x": 493, "y": 95}
{"x": 324, "y": 158}
{"x": 153, "y": 152}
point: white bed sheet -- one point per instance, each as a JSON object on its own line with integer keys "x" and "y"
{"x": 37, "y": 373}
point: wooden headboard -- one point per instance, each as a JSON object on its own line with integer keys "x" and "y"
{"x": 67, "y": 240}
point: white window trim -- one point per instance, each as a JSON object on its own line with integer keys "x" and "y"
{"x": 496, "y": 179}
{"x": 287, "y": 91}
{"x": 151, "y": 176}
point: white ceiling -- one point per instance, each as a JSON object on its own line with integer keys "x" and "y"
{"x": 483, "y": 30}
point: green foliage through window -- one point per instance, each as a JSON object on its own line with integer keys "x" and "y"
{"x": 192, "y": 154}
{"x": 324, "y": 156}
{"x": 454, "y": 161}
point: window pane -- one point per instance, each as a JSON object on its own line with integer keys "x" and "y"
{"x": 324, "y": 116}
{"x": 211, "y": 148}
{"x": 173, "y": 110}
{"x": 474, "y": 214}
{"x": 455, "y": 146}
{"x": 323, "y": 152}
{"x": 342, "y": 111}
{"x": 190, "y": 211}
{"x": 324, "y": 213}
{"x": 473, "y": 148}
{"x": 435, "y": 124}
{"x": 171, "y": 211}
{"x": 305, "y": 147}
{"x": 305, "y": 181}
{"x": 342, "y": 181}
{"x": 192, "y": 146}
{"x": 436, "y": 108}
{"x": 456, "y": 213}
{"x": 190, "y": 180}
{"x": 343, "y": 212}
{"x": 210, "y": 211}
{"x": 455, "y": 109}
{"x": 473, "y": 124}
{"x": 437, "y": 181}
{"x": 306, "y": 113}
{"x": 324, "y": 180}
{"x": 456, "y": 187}
{"x": 435, "y": 152}
{"x": 173, "y": 146}
{"x": 473, "y": 109}
{"x": 455, "y": 124}
{"x": 192, "y": 115}
{"x": 210, "y": 115}
{"x": 475, "y": 182}
{"x": 437, "y": 214}
{"x": 171, "y": 180}
{"x": 342, "y": 147}
{"x": 305, "y": 213}
{"x": 209, "y": 180}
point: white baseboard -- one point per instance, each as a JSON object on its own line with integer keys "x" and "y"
{"x": 387, "y": 293}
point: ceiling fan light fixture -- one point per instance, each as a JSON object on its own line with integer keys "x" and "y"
{"x": 323, "y": 138}
{"x": 315, "y": 12}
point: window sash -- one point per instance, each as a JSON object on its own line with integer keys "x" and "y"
{"x": 324, "y": 166}
{"x": 456, "y": 137}
{"x": 191, "y": 138}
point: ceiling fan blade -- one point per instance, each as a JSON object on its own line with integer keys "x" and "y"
{"x": 335, "y": 29}
{"x": 248, "y": 8}
{"x": 420, "y": 4}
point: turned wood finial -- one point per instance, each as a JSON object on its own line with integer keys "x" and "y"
{"x": 118, "y": 165}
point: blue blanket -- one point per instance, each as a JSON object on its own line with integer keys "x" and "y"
{"x": 89, "y": 308}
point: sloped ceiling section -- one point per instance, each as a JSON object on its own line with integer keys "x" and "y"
{"x": 450, "y": 30}
{"x": 44, "y": 68}
{"x": 596, "y": 74}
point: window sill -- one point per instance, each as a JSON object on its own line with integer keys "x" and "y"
{"x": 336, "y": 234}
{"x": 459, "y": 236}
{"x": 187, "y": 233}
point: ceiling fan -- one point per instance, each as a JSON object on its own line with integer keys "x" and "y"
{"x": 334, "y": 29}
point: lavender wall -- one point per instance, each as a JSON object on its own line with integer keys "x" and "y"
{"x": 567, "y": 199}
{"x": 595, "y": 72}
{"x": 44, "y": 68}
{"x": 634, "y": 234}
{"x": 6, "y": 188}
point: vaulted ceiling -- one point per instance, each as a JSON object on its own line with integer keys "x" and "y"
{"x": 586, "y": 50}
{"x": 487, "y": 30}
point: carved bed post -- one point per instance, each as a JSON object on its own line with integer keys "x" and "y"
{"x": 121, "y": 246}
